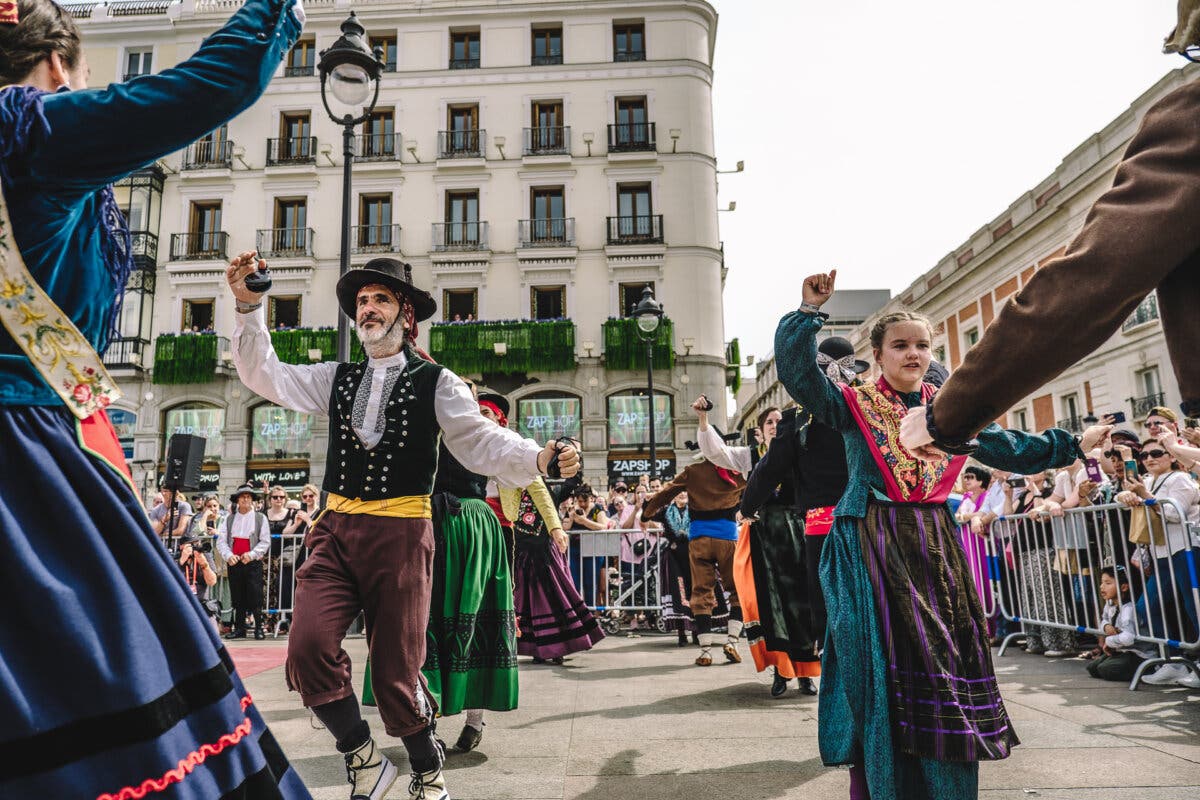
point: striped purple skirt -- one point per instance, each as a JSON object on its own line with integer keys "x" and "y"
{"x": 942, "y": 690}
{"x": 552, "y": 618}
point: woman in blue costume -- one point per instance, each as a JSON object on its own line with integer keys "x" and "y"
{"x": 131, "y": 695}
{"x": 908, "y": 698}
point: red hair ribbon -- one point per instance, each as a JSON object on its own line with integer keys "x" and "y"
{"x": 8, "y": 12}
{"x": 495, "y": 409}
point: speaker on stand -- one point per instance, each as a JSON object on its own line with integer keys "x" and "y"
{"x": 185, "y": 454}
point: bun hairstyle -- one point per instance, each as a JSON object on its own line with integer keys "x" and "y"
{"x": 44, "y": 28}
{"x": 879, "y": 329}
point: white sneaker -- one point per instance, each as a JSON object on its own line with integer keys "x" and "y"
{"x": 1192, "y": 681}
{"x": 369, "y": 772}
{"x": 1167, "y": 674}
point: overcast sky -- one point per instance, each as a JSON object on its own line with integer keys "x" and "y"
{"x": 878, "y": 136}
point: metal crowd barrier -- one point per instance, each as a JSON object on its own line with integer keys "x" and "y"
{"x": 618, "y": 574}
{"x": 286, "y": 555}
{"x": 1045, "y": 572}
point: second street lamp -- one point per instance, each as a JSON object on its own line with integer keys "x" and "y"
{"x": 648, "y": 313}
{"x": 349, "y": 70}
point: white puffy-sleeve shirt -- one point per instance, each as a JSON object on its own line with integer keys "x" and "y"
{"x": 479, "y": 444}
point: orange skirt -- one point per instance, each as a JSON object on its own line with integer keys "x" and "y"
{"x": 743, "y": 578}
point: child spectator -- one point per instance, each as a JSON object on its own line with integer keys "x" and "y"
{"x": 1122, "y": 652}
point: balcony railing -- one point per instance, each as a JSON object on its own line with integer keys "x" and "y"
{"x": 389, "y": 66}
{"x": 468, "y": 348}
{"x": 631, "y": 137}
{"x": 144, "y": 250}
{"x": 209, "y": 246}
{"x": 547, "y": 232}
{"x": 1147, "y": 311}
{"x": 375, "y": 239}
{"x": 187, "y": 357}
{"x": 548, "y": 141}
{"x": 646, "y": 229}
{"x": 377, "y": 147}
{"x": 625, "y": 350}
{"x": 208, "y": 155}
{"x": 1071, "y": 424}
{"x": 464, "y": 63}
{"x": 629, "y": 55}
{"x": 292, "y": 150}
{"x": 285, "y": 242}
{"x": 461, "y": 144}
{"x": 1142, "y": 405}
{"x": 460, "y": 236}
{"x": 125, "y": 353}
{"x": 131, "y": 75}
{"x": 546, "y": 60}
{"x": 302, "y": 71}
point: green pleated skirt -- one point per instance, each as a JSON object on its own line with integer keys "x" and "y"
{"x": 471, "y": 641}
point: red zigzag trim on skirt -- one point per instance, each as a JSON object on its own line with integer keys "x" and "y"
{"x": 187, "y": 765}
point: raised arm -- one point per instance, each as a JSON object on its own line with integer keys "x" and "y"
{"x": 300, "y": 387}
{"x": 655, "y": 505}
{"x": 1026, "y": 453}
{"x": 796, "y": 357}
{"x": 101, "y": 135}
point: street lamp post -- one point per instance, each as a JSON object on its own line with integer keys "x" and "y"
{"x": 348, "y": 69}
{"x": 648, "y": 313}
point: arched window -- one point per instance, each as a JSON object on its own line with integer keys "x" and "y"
{"x": 197, "y": 419}
{"x": 279, "y": 433}
{"x": 629, "y": 419}
{"x": 546, "y": 416}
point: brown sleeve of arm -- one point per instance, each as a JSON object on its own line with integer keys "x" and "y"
{"x": 655, "y": 505}
{"x": 1136, "y": 238}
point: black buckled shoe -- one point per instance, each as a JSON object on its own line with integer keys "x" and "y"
{"x": 779, "y": 685}
{"x": 469, "y": 739}
{"x": 807, "y": 686}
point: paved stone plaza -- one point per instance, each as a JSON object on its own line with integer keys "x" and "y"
{"x": 634, "y": 720}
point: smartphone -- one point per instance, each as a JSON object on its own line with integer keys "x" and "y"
{"x": 212, "y": 523}
{"x": 1131, "y": 468}
{"x": 1017, "y": 482}
{"x": 1116, "y": 417}
{"x": 1191, "y": 422}
{"x": 1094, "y": 473}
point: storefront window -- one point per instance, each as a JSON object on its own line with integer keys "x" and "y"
{"x": 629, "y": 420}
{"x": 280, "y": 433}
{"x": 202, "y": 421}
{"x": 124, "y": 422}
{"x": 544, "y": 418}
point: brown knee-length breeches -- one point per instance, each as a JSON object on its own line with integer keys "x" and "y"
{"x": 707, "y": 556}
{"x": 382, "y": 566}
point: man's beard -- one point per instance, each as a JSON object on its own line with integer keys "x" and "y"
{"x": 381, "y": 341}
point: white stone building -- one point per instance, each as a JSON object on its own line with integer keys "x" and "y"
{"x": 963, "y": 293}
{"x": 534, "y": 162}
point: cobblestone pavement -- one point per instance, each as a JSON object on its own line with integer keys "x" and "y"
{"x": 634, "y": 720}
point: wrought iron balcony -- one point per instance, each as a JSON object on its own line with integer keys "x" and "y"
{"x": 464, "y": 63}
{"x": 292, "y": 150}
{"x": 1147, "y": 311}
{"x": 547, "y": 232}
{"x": 632, "y": 137}
{"x": 206, "y": 246}
{"x": 468, "y": 348}
{"x": 548, "y": 141}
{"x": 629, "y": 55}
{"x": 144, "y": 250}
{"x": 208, "y": 154}
{"x": 375, "y": 239}
{"x": 131, "y": 75}
{"x": 125, "y": 353}
{"x": 546, "y": 60}
{"x": 377, "y": 147}
{"x": 301, "y": 71}
{"x": 285, "y": 242}
{"x": 647, "y": 229}
{"x": 461, "y": 144}
{"x": 459, "y": 236}
{"x": 1142, "y": 405}
{"x": 1071, "y": 424}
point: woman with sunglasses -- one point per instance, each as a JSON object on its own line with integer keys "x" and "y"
{"x": 1172, "y": 553}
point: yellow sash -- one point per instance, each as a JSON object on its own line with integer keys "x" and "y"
{"x": 61, "y": 354}
{"x": 412, "y": 507}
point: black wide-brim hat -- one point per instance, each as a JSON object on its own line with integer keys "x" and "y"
{"x": 500, "y": 400}
{"x": 394, "y": 274}
{"x": 245, "y": 488}
{"x": 837, "y": 348}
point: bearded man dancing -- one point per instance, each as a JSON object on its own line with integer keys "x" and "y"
{"x": 372, "y": 550}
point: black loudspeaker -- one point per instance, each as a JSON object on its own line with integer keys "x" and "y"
{"x": 185, "y": 453}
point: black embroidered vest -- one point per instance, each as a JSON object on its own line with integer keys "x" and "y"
{"x": 404, "y": 462}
